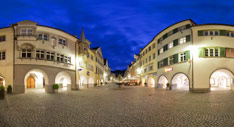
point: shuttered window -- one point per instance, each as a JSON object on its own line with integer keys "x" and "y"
{"x": 222, "y": 52}
{"x": 187, "y": 38}
{"x": 187, "y": 53}
{"x": 201, "y": 52}
{"x": 200, "y": 33}
{"x": 222, "y": 32}
{"x": 176, "y": 58}
{"x": 175, "y": 42}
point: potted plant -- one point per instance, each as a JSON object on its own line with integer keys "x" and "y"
{"x": 2, "y": 92}
{"x": 55, "y": 88}
{"x": 9, "y": 89}
{"x": 169, "y": 86}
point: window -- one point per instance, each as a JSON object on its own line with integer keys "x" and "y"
{"x": 216, "y": 52}
{"x": 145, "y": 60}
{"x": 171, "y": 59}
{"x": 91, "y": 57}
{"x": 170, "y": 33}
{"x": 153, "y": 55}
{"x": 145, "y": 51}
{"x": 50, "y": 56}
{"x": 2, "y": 55}
{"x": 227, "y": 34}
{"x": 145, "y": 70}
{"x": 2, "y": 38}
{"x": 58, "y": 57}
{"x": 69, "y": 60}
{"x": 206, "y": 33}
{"x": 42, "y": 36}
{"x": 160, "y": 64}
{"x": 149, "y": 58}
{"x": 182, "y": 28}
{"x": 206, "y": 52}
{"x": 170, "y": 45}
{"x": 62, "y": 58}
{"x": 40, "y": 54}
{"x": 26, "y": 53}
{"x": 150, "y": 48}
{"x": 211, "y": 33}
{"x": 216, "y": 33}
{"x": 160, "y": 39}
{"x": 154, "y": 43}
{"x": 60, "y": 41}
{"x": 26, "y": 31}
{"x": 151, "y": 68}
{"x": 182, "y": 40}
{"x": 161, "y": 50}
{"x": 182, "y": 57}
{"x": 230, "y": 53}
{"x": 65, "y": 59}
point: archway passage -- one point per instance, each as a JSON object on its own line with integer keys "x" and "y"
{"x": 91, "y": 82}
{"x": 2, "y": 81}
{"x": 221, "y": 80}
{"x": 180, "y": 81}
{"x": 83, "y": 81}
{"x": 151, "y": 82}
{"x": 30, "y": 82}
{"x": 63, "y": 79}
{"x": 162, "y": 82}
{"x": 36, "y": 78}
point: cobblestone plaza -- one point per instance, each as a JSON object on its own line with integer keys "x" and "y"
{"x": 109, "y": 106}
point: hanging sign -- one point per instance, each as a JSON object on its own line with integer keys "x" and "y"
{"x": 168, "y": 69}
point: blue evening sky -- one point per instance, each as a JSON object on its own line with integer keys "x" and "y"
{"x": 120, "y": 27}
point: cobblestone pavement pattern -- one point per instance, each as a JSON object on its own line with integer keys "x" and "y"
{"x": 109, "y": 106}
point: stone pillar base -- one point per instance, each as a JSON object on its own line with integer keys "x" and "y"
{"x": 200, "y": 90}
{"x": 18, "y": 89}
{"x": 49, "y": 88}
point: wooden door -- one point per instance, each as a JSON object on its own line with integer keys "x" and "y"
{"x": 30, "y": 82}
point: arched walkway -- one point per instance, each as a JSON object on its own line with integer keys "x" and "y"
{"x": 180, "y": 81}
{"x": 162, "y": 82}
{"x": 91, "y": 82}
{"x": 36, "y": 78}
{"x": 63, "y": 79}
{"x": 151, "y": 82}
{"x": 2, "y": 81}
{"x": 221, "y": 79}
{"x": 83, "y": 81}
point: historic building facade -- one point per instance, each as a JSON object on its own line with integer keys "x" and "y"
{"x": 191, "y": 57}
{"x": 37, "y": 56}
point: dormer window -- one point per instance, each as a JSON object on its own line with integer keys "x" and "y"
{"x": 43, "y": 37}
{"x": 63, "y": 41}
{"x": 26, "y": 31}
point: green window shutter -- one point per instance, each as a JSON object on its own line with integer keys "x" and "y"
{"x": 187, "y": 26}
{"x": 222, "y": 32}
{"x": 200, "y": 33}
{"x": 165, "y": 47}
{"x": 158, "y": 52}
{"x": 176, "y": 58}
{"x": 201, "y": 52}
{"x": 222, "y": 52}
{"x": 165, "y": 61}
{"x": 187, "y": 53}
{"x": 175, "y": 42}
{"x": 187, "y": 38}
{"x": 158, "y": 65}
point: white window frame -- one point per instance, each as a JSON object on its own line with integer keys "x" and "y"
{"x": 170, "y": 45}
{"x": 182, "y": 40}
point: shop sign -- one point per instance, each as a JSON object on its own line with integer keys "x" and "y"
{"x": 168, "y": 69}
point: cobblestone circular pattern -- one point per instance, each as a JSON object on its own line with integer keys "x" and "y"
{"x": 109, "y": 106}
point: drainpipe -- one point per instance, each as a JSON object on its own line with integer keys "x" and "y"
{"x": 14, "y": 38}
{"x": 192, "y": 62}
